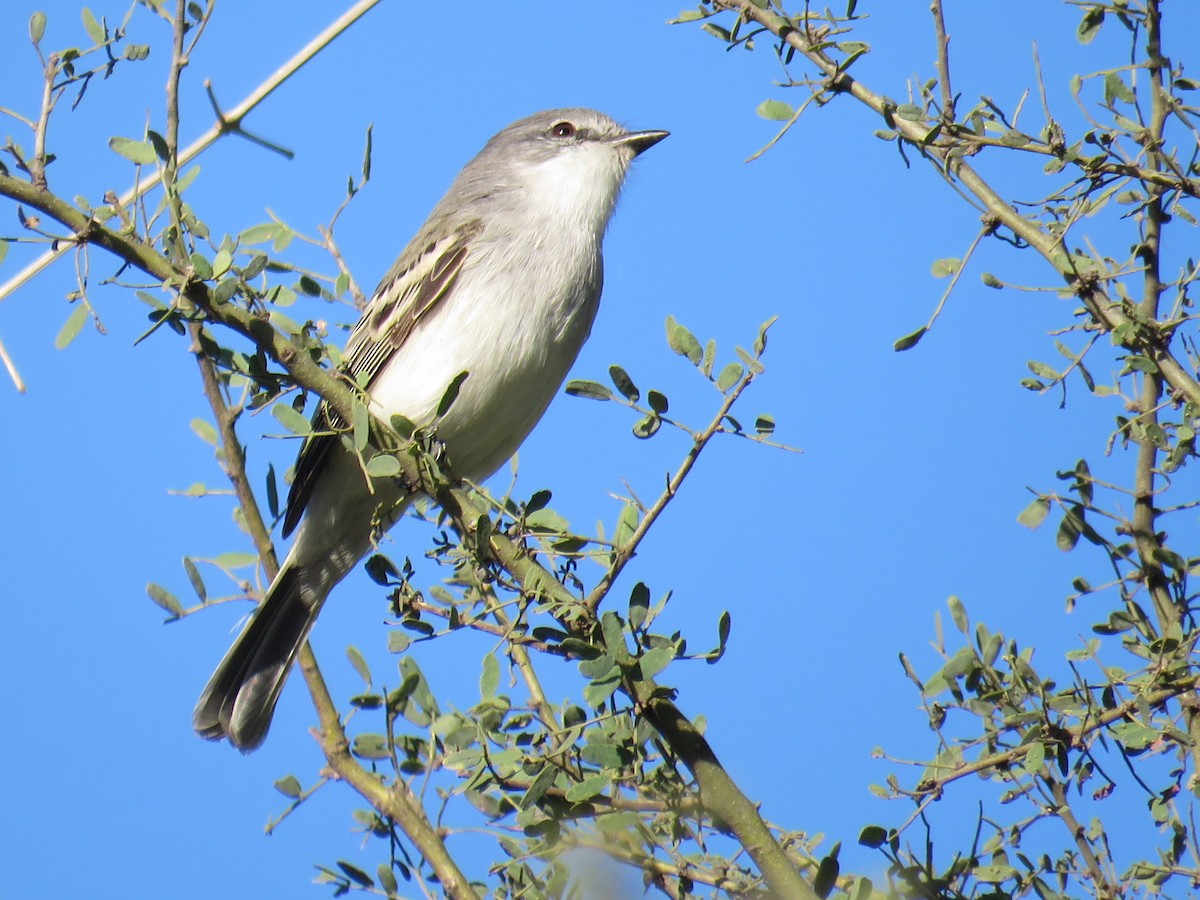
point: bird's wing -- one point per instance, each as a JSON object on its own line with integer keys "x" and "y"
{"x": 413, "y": 288}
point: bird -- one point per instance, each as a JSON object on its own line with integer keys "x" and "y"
{"x": 502, "y": 282}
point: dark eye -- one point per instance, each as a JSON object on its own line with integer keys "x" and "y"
{"x": 563, "y": 130}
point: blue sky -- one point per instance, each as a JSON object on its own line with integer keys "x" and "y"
{"x": 915, "y": 465}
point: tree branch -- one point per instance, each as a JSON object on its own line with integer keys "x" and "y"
{"x": 1107, "y": 313}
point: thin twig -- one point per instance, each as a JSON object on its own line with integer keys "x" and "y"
{"x": 943, "y": 60}
{"x": 622, "y": 555}
{"x": 227, "y": 123}
{"x": 11, "y": 368}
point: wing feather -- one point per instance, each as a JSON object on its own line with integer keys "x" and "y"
{"x": 410, "y": 292}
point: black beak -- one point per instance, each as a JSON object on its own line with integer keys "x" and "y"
{"x": 640, "y": 141}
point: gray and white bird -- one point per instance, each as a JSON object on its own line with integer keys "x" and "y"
{"x": 502, "y": 282}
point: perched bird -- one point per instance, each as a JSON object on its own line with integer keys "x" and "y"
{"x": 501, "y": 282}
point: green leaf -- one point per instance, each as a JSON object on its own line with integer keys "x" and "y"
{"x": 193, "y": 575}
{"x": 221, "y": 263}
{"x": 1142, "y": 364}
{"x": 370, "y": 746}
{"x": 764, "y": 424}
{"x": 161, "y": 150}
{"x": 140, "y": 152}
{"x": 624, "y": 384}
{"x": 683, "y": 342}
{"x": 289, "y": 786}
{"x": 587, "y": 789}
{"x": 539, "y": 500}
{"x": 958, "y": 613}
{"x": 658, "y": 402}
{"x": 654, "y": 661}
{"x": 94, "y": 29}
{"x": 627, "y": 523}
{"x": 404, "y": 427}
{"x": 724, "y": 624}
{"x": 37, "y": 26}
{"x": 547, "y": 520}
{"x": 164, "y": 598}
{"x": 646, "y": 427}
{"x": 355, "y": 874}
{"x": 236, "y": 560}
{"x": 730, "y": 375}
{"x": 1041, "y": 370}
{"x": 1069, "y": 530}
{"x": 255, "y": 267}
{"x": 366, "y": 163}
{"x": 284, "y": 323}
{"x": 910, "y": 340}
{"x": 362, "y": 425}
{"x": 775, "y": 110}
{"x": 71, "y": 327}
{"x": 710, "y": 357}
{"x": 283, "y": 238}
{"x": 1090, "y": 26}
{"x": 295, "y": 422}
{"x": 1035, "y": 513}
{"x": 205, "y": 431}
{"x": 387, "y": 880}
{"x": 3, "y": 249}
{"x": 383, "y": 465}
{"x": 1115, "y": 89}
{"x": 272, "y": 492}
{"x": 639, "y": 605}
{"x": 993, "y": 874}
{"x": 225, "y": 291}
{"x": 992, "y": 281}
{"x": 382, "y": 570}
{"x": 749, "y": 360}
{"x": 596, "y": 693}
{"x": 942, "y": 268}
{"x": 1035, "y": 758}
{"x": 827, "y": 874}
{"x": 614, "y": 634}
{"x": 258, "y": 234}
{"x": 398, "y": 642}
{"x": 280, "y": 295}
{"x": 592, "y": 390}
{"x": 201, "y": 266}
{"x": 542, "y": 783}
{"x": 873, "y": 836}
{"x": 489, "y": 681}
{"x": 359, "y": 664}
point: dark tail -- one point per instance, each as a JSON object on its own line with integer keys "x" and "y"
{"x": 240, "y": 698}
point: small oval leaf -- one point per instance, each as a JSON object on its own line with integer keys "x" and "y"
{"x": 910, "y": 340}
{"x": 140, "y": 152}
{"x": 774, "y": 110}
{"x": 295, "y": 422}
{"x": 592, "y": 390}
{"x": 71, "y": 327}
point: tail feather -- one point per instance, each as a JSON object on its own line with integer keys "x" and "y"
{"x": 240, "y": 698}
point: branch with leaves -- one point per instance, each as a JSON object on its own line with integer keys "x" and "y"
{"x": 627, "y": 765}
{"x": 1136, "y": 150}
